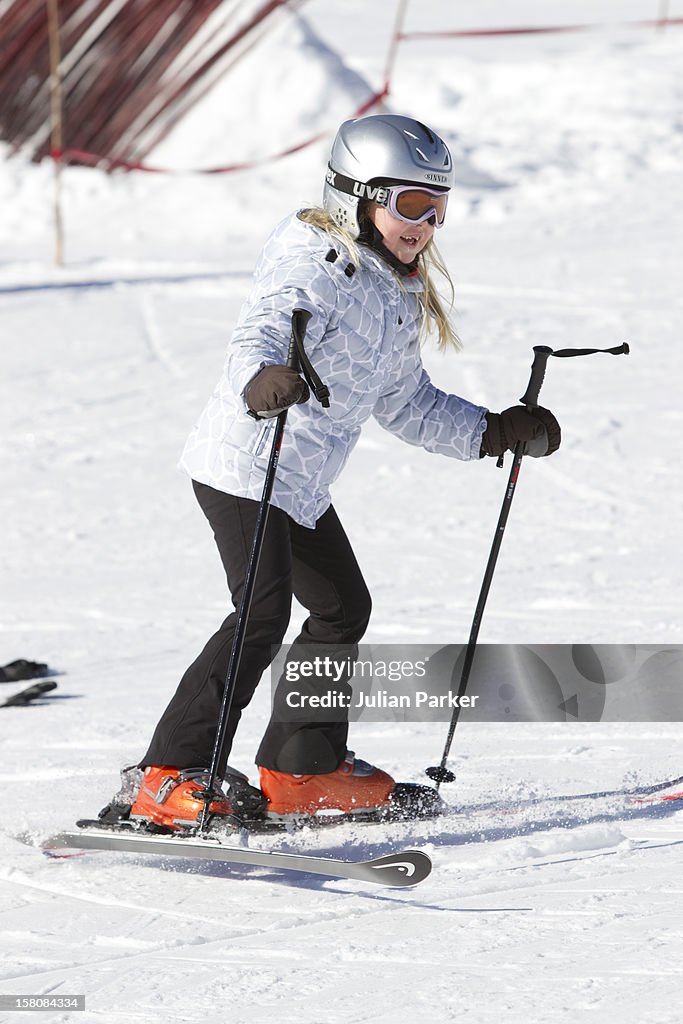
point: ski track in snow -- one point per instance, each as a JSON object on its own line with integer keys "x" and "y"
{"x": 506, "y": 897}
{"x": 543, "y": 906}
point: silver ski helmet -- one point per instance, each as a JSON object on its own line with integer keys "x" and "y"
{"x": 389, "y": 147}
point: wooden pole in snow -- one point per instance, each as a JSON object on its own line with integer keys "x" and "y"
{"x": 393, "y": 47}
{"x": 56, "y": 123}
{"x": 663, "y": 14}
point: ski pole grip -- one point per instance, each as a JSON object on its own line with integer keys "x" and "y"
{"x": 530, "y": 396}
{"x": 299, "y": 361}
{"x": 300, "y": 318}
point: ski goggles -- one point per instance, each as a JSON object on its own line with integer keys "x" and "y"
{"x": 415, "y": 205}
{"x": 409, "y": 203}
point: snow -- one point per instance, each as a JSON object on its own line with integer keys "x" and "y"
{"x": 565, "y": 231}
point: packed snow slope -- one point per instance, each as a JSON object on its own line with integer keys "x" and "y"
{"x": 564, "y": 230}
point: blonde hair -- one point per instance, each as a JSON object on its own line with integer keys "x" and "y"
{"x": 434, "y": 314}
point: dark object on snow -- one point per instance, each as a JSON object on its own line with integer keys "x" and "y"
{"x": 31, "y": 693}
{"x": 22, "y": 669}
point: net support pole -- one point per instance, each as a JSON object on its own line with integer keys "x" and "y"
{"x": 393, "y": 47}
{"x": 56, "y": 125}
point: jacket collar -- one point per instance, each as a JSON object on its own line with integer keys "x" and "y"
{"x": 371, "y": 237}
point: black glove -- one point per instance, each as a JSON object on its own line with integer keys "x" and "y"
{"x": 273, "y": 389}
{"x": 538, "y": 429}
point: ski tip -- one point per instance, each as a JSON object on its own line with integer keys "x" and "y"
{"x": 53, "y": 844}
{"x": 657, "y": 798}
{"x": 408, "y": 867}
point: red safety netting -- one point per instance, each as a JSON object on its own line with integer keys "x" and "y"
{"x": 110, "y": 164}
{"x": 532, "y": 29}
{"x": 129, "y": 68}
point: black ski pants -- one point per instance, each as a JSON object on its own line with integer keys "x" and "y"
{"x": 319, "y": 568}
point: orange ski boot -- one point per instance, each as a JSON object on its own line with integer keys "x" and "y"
{"x": 355, "y": 787}
{"x": 173, "y": 797}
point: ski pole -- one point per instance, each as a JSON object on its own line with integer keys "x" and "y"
{"x": 440, "y": 773}
{"x": 296, "y": 360}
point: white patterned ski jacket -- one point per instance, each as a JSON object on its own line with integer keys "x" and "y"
{"x": 362, "y": 340}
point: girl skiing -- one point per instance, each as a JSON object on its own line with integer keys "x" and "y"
{"x": 362, "y": 265}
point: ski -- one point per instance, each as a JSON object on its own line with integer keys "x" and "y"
{"x": 28, "y": 695}
{"x": 649, "y": 793}
{"x": 635, "y": 792}
{"x": 656, "y": 797}
{"x": 407, "y": 867}
{"x": 657, "y": 787}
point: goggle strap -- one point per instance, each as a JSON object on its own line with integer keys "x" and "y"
{"x": 363, "y": 190}
{"x": 360, "y": 189}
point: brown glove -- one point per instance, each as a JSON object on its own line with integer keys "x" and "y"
{"x": 539, "y": 430}
{"x": 273, "y": 389}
